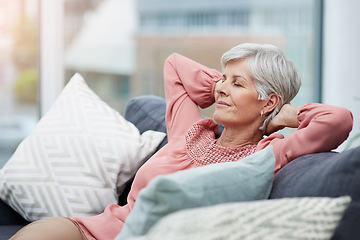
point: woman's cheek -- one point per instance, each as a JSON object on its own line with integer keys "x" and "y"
{"x": 216, "y": 95}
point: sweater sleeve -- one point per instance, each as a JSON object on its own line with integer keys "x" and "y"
{"x": 188, "y": 86}
{"x": 321, "y": 128}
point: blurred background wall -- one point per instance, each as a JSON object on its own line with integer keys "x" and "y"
{"x": 341, "y": 53}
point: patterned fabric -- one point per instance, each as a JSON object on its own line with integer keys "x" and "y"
{"x": 203, "y": 150}
{"x": 77, "y": 160}
{"x": 290, "y": 219}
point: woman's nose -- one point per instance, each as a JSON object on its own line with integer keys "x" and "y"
{"x": 221, "y": 88}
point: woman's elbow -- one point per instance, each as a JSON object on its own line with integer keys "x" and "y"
{"x": 344, "y": 122}
{"x": 170, "y": 59}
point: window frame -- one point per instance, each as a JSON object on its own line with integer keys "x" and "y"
{"x": 51, "y": 66}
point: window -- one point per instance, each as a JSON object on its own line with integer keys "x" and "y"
{"x": 98, "y": 44}
{"x": 205, "y": 33}
{"x": 19, "y": 30}
{"x": 120, "y": 46}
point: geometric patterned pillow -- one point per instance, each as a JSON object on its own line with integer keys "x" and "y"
{"x": 286, "y": 218}
{"x": 77, "y": 159}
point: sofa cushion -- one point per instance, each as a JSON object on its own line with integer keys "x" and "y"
{"x": 147, "y": 113}
{"x": 77, "y": 160}
{"x": 9, "y": 216}
{"x": 326, "y": 175}
{"x": 7, "y": 231}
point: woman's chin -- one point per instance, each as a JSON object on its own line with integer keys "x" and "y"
{"x": 217, "y": 118}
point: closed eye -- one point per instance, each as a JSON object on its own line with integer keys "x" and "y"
{"x": 237, "y": 83}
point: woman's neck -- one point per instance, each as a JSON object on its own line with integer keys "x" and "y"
{"x": 237, "y": 139}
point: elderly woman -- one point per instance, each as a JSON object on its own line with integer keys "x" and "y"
{"x": 252, "y": 98}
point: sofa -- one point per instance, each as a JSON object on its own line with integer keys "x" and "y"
{"x": 327, "y": 174}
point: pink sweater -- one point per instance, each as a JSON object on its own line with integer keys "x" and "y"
{"x": 188, "y": 86}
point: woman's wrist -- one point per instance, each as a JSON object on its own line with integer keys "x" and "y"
{"x": 289, "y": 115}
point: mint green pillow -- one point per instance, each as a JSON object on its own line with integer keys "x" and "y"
{"x": 244, "y": 180}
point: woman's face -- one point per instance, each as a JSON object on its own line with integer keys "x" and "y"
{"x": 236, "y": 97}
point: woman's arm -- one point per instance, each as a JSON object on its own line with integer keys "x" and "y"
{"x": 188, "y": 85}
{"x": 320, "y": 128}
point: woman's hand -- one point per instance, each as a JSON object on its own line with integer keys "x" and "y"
{"x": 287, "y": 117}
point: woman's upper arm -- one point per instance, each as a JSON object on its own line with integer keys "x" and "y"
{"x": 321, "y": 128}
{"x": 188, "y": 85}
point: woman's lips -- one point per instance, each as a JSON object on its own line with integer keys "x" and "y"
{"x": 222, "y": 104}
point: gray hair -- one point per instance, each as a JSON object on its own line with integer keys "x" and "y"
{"x": 271, "y": 71}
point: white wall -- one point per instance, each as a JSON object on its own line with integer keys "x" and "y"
{"x": 341, "y": 57}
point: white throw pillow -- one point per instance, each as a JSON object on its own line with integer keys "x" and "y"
{"x": 77, "y": 160}
{"x": 313, "y": 218}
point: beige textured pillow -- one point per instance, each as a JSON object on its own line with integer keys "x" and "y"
{"x": 77, "y": 159}
{"x": 287, "y": 218}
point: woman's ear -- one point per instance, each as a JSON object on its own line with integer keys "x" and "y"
{"x": 271, "y": 103}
